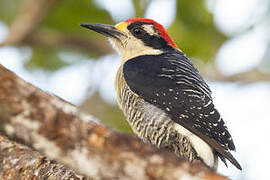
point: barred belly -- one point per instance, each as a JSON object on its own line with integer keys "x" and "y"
{"x": 153, "y": 125}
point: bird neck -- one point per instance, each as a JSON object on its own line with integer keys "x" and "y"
{"x": 134, "y": 52}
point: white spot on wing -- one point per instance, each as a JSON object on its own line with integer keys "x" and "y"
{"x": 215, "y": 124}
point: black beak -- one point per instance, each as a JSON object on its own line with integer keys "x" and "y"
{"x": 105, "y": 29}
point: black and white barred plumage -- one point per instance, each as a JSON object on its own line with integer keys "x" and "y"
{"x": 165, "y": 99}
{"x": 170, "y": 82}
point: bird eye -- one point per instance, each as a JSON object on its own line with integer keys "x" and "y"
{"x": 137, "y": 31}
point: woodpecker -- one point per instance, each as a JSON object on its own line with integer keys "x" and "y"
{"x": 163, "y": 96}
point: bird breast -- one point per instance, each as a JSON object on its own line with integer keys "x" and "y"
{"x": 151, "y": 123}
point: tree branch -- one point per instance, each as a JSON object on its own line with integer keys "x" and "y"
{"x": 252, "y": 76}
{"x": 60, "y": 131}
{"x": 20, "y": 162}
{"x": 30, "y": 14}
{"x": 53, "y": 39}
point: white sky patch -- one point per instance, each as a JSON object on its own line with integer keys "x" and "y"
{"x": 162, "y": 11}
{"x": 3, "y": 32}
{"x": 120, "y": 10}
{"x": 71, "y": 57}
{"x": 245, "y": 110}
{"x": 10, "y": 58}
{"x": 242, "y": 52}
{"x": 72, "y": 82}
{"x": 210, "y": 5}
{"x": 233, "y": 16}
{"x": 14, "y": 59}
{"x": 104, "y": 74}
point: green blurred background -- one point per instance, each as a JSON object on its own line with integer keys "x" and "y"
{"x": 41, "y": 40}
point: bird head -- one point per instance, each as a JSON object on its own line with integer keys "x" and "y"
{"x": 135, "y": 37}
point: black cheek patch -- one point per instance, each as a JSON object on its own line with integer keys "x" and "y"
{"x": 154, "y": 41}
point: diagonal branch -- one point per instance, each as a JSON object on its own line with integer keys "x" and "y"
{"x": 20, "y": 162}
{"x": 52, "y": 39}
{"x": 30, "y": 14}
{"x": 61, "y": 132}
{"x": 251, "y": 76}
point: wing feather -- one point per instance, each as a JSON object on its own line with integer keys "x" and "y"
{"x": 172, "y": 83}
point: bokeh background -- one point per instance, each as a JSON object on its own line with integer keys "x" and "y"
{"x": 228, "y": 41}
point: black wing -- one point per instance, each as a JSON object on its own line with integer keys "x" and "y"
{"x": 172, "y": 83}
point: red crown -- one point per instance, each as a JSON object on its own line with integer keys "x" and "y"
{"x": 161, "y": 30}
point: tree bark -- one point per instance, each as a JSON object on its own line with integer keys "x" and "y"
{"x": 60, "y": 131}
{"x": 20, "y": 162}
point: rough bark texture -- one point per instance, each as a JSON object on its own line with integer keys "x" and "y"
{"x": 61, "y": 132}
{"x": 20, "y": 162}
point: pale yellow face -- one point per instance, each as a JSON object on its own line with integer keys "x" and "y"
{"x": 130, "y": 46}
{"x": 121, "y": 26}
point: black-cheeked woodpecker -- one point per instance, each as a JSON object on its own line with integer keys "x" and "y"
{"x": 165, "y": 99}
